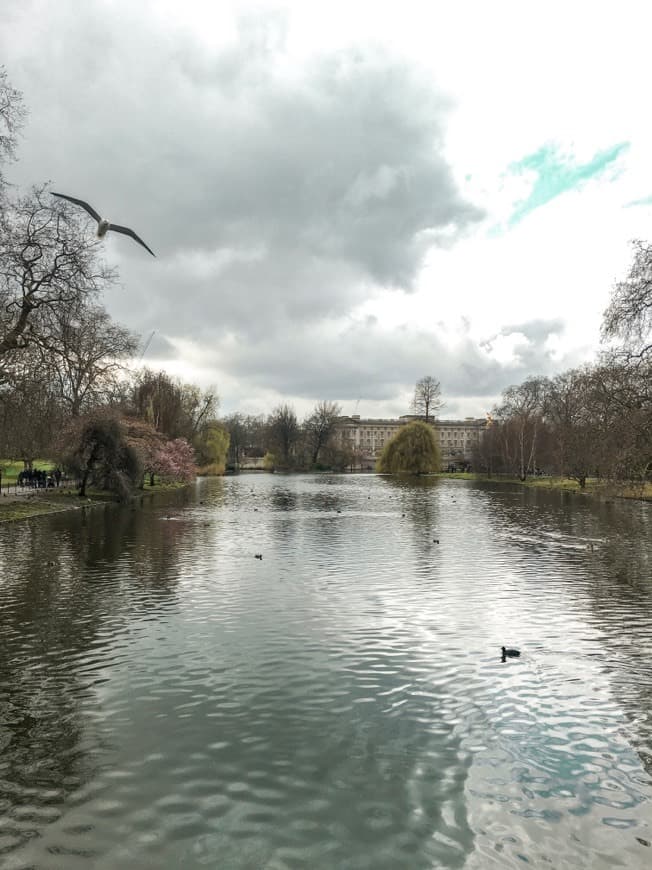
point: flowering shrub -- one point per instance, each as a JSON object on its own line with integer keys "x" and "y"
{"x": 175, "y": 461}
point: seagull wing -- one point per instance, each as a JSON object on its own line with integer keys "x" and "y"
{"x": 129, "y": 232}
{"x": 84, "y": 205}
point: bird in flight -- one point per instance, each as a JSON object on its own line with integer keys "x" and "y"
{"x": 103, "y": 226}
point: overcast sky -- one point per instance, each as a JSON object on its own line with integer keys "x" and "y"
{"x": 344, "y": 197}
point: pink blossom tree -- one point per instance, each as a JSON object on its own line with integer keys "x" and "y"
{"x": 175, "y": 461}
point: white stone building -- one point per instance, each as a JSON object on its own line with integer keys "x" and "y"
{"x": 366, "y": 437}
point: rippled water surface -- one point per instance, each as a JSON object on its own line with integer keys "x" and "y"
{"x": 168, "y": 700}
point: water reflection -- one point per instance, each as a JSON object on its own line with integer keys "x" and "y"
{"x": 168, "y": 700}
{"x": 61, "y": 608}
{"x": 602, "y": 552}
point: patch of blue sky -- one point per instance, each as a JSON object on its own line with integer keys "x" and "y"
{"x": 646, "y": 200}
{"x": 556, "y": 173}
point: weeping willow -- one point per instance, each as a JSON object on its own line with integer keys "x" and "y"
{"x": 413, "y": 450}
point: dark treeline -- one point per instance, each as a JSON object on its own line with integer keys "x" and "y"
{"x": 594, "y": 421}
{"x": 287, "y": 444}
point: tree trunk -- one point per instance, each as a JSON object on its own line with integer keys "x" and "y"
{"x": 92, "y": 459}
{"x": 84, "y": 481}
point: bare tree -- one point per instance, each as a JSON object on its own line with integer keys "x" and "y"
{"x": 319, "y": 427}
{"x": 177, "y": 409}
{"x": 236, "y": 427}
{"x": 520, "y": 416}
{"x": 574, "y": 425}
{"x": 622, "y": 413}
{"x": 283, "y": 433}
{"x": 247, "y": 433}
{"x": 200, "y": 408}
{"x": 87, "y": 356}
{"x": 47, "y": 265}
{"x": 30, "y": 412}
{"x": 12, "y": 117}
{"x": 427, "y": 398}
{"x": 629, "y": 315}
{"x": 623, "y": 380}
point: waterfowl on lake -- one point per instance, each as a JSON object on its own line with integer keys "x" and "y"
{"x": 103, "y": 226}
{"x": 510, "y": 653}
{"x": 258, "y": 556}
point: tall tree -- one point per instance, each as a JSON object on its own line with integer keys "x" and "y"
{"x": 319, "y": 428}
{"x": 283, "y": 434}
{"x": 47, "y": 265}
{"x": 521, "y": 416}
{"x": 574, "y": 428}
{"x": 235, "y": 426}
{"x": 427, "y": 398}
{"x": 622, "y": 413}
{"x": 31, "y": 414}
{"x": 247, "y": 433}
{"x": 199, "y": 408}
{"x": 179, "y": 410}
{"x": 629, "y": 315}
{"x": 624, "y": 377}
{"x": 12, "y": 117}
{"x": 87, "y": 356}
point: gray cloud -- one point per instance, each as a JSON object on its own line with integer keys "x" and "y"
{"x": 367, "y": 362}
{"x": 275, "y": 200}
{"x": 537, "y": 330}
{"x": 333, "y": 172}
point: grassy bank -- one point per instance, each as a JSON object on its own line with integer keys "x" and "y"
{"x": 36, "y": 503}
{"x": 593, "y": 486}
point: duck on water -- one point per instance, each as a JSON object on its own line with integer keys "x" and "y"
{"x": 509, "y": 653}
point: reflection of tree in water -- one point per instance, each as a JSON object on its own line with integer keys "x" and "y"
{"x": 620, "y": 594}
{"x": 62, "y": 587}
{"x": 41, "y": 722}
{"x": 284, "y": 499}
{"x": 145, "y": 542}
{"x": 415, "y": 496}
{"x": 608, "y": 563}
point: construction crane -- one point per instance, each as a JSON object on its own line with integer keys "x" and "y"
{"x": 147, "y": 344}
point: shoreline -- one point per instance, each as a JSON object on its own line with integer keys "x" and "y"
{"x": 594, "y": 488}
{"x": 35, "y": 503}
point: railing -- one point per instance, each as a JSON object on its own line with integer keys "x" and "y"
{"x": 22, "y": 488}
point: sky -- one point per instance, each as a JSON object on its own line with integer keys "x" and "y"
{"x": 344, "y": 197}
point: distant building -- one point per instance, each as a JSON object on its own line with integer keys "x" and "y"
{"x": 366, "y": 437}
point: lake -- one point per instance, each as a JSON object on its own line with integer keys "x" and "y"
{"x": 169, "y": 700}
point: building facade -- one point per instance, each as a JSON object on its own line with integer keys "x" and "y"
{"x": 366, "y": 437}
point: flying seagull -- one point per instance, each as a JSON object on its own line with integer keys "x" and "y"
{"x": 103, "y": 226}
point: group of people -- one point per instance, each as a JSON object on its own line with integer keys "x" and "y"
{"x": 36, "y": 478}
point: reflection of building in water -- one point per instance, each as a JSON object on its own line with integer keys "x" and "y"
{"x": 366, "y": 437}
